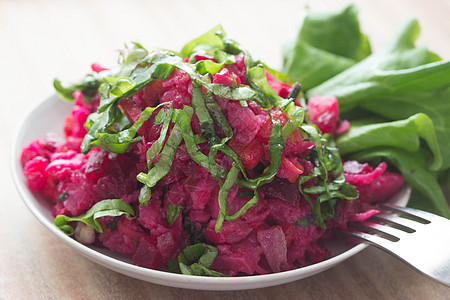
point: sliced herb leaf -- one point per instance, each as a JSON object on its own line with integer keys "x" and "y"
{"x": 223, "y": 194}
{"x": 196, "y": 260}
{"x": 88, "y": 86}
{"x": 266, "y": 96}
{"x": 162, "y": 166}
{"x": 173, "y": 212}
{"x": 104, "y": 208}
{"x": 326, "y": 189}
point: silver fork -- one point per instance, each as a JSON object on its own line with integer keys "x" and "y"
{"x": 416, "y": 237}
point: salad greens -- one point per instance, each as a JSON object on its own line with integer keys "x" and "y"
{"x": 397, "y": 99}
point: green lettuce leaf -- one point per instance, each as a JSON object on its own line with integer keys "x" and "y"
{"x": 326, "y": 44}
{"x": 400, "y": 69}
{"x": 404, "y": 134}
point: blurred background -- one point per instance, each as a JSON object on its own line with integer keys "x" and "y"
{"x": 44, "y": 39}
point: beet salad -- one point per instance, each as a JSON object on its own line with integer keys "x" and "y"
{"x": 202, "y": 162}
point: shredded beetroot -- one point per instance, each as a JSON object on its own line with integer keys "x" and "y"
{"x": 382, "y": 189}
{"x": 374, "y": 185}
{"x": 97, "y": 68}
{"x": 34, "y": 171}
{"x": 362, "y": 176}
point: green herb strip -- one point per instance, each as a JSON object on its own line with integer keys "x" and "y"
{"x": 196, "y": 260}
{"x": 173, "y": 212}
{"x": 108, "y": 207}
{"x": 162, "y": 166}
{"x": 119, "y": 142}
{"x": 276, "y": 146}
{"x": 223, "y": 194}
{"x": 324, "y": 194}
{"x": 156, "y": 148}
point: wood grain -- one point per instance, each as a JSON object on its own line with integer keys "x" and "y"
{"x": 43, "y": 39}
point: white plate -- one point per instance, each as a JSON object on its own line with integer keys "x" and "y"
{"x": 48, "y": 116}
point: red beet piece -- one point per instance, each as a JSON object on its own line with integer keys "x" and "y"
{"x": 147, "y": 255}
{"x": 233, "y": 259}
{"x": 324, "y": 112}
{"x": 244, "y": 122}
{"x": 273, "y": 243}
{"x": 252, "y": 154}
{"x": 80, "y": 195}
{"x": 96, "y": 164}
{"x": 232, "y": 232}
{"x": 151, "y": 215}
{"x": 223, "y": 77}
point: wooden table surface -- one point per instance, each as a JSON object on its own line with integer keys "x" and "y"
{"x": 43, "y": 39}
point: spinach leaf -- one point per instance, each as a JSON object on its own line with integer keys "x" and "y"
{"x": 132, "y": 58}
{"x": 326, "y": 44}
{"x": 433, "y": 104}
{"x": 162, "y": 166}
{"x": 400, "y": 69}
{"x": 266, "y": 96}
{"x": 157, "y": 66}
{"x": 184, "y": 122}
{"x": 156, "y": 147}
{"x": 223, "y": 194}
{"x": 404, "y": 134}
{"x": 119, "y": 142}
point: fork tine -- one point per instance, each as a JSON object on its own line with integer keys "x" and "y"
{"x": 366, "y": 237}
{"x": 425, "y": 246}
{"x": 415, "y": 214}
{"x": 396, "y": 222}
{"x": 383, "y": 231}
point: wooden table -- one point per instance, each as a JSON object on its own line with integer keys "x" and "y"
{"x": 43, "y": 39}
